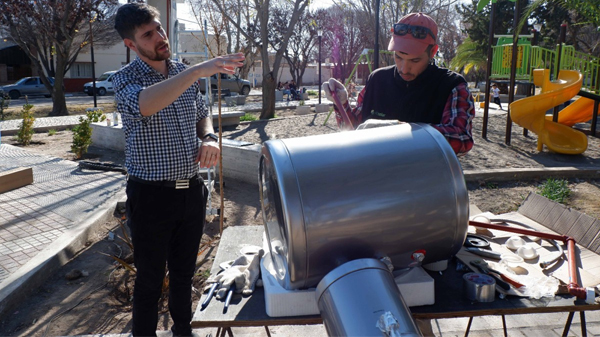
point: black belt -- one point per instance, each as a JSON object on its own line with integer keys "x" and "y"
{"x": 176, "y": 184}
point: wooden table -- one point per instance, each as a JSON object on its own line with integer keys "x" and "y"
{"x": 449, "y": 300}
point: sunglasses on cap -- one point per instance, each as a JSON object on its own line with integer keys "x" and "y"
{"x": 418, "y": 32}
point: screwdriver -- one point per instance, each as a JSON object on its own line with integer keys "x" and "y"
{"x": 211, "y": 291}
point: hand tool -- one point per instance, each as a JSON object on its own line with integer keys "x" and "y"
{"x": 484, "y": 252}
{"x": 229, "y": 296}
{"x": 209, "y": 296}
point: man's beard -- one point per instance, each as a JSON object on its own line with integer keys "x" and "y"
{"x": 154, "y": 55}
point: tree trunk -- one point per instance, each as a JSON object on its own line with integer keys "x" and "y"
{"x": 59, "y": 103}
{"x": 268, "y": 97}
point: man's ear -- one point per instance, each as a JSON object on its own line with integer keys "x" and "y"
{"x": 130, "y": 44}
{"x": 434, "y": 50}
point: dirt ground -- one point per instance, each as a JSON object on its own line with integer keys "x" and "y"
{"x": 100, "y": 302}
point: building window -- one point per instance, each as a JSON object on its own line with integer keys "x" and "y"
{"x": 81, "y": 70}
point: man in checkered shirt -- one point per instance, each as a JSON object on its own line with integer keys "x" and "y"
{"x": 163, "y": 116}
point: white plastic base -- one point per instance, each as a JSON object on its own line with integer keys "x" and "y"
{"x": 416, "y": 286}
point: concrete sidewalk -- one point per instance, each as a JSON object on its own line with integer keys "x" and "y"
{"x": 43, "y": 224}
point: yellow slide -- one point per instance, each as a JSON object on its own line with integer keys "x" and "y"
{"x": 580, "y": 111}
{"x": 530, "y": 112}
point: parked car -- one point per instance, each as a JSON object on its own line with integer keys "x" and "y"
{"x": 104, "y": 84}
{"x": 233, "y": 83}
{"x": 26, "y": 86}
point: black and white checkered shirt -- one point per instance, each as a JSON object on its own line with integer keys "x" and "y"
{"x": 163, "y": 146}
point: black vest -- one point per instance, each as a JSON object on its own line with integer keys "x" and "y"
{"x": 388, "y": 96}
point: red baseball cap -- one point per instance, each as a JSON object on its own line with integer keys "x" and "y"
{"x": 410, "y": 44}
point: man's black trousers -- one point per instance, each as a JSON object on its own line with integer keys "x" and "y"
{"x": 166, "y": 227}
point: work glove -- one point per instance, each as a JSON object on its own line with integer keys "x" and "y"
{"x": 340, "y": 90}
{"x": 244, "y": 272}
{"x": 375, "y": 123}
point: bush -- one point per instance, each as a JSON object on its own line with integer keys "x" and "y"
{"x": 556, "y": 190}
{"x": 4, "y": 102}
{"x": 82, "y": 133}
{"x": 26, "y": 129}
{"x": 312, "y": 93}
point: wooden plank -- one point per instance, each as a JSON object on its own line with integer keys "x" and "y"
{"x": 595, "y": 244}
{"x": 593, "y": 228}
{"x": 15, "y": 178}
{"x": 570, "y": 226}
{"x": 537, "y": 208}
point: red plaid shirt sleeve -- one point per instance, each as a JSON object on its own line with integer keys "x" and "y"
{"x": 456, "y": 123}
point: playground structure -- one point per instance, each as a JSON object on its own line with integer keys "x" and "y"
{"x": 576, "y": 74}
{"x": 530, "y": 112}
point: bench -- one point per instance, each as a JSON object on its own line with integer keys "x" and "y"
{"x": 227, "y": 117}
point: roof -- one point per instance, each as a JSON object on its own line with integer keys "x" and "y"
{"x": 6, "y": 43}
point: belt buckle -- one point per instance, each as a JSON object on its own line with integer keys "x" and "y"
{"x": 182, "y": 184}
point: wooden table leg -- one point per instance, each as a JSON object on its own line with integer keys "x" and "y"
{"x": 568, "y": 324}
{"x": 504, "y": 326}
{"x": 268, "y": 332}
{"x": 469, "y": 326}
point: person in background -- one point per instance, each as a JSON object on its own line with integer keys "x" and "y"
{"x": 414, "y": 89}
{"x": 286, "y": 90}
{"x": 293, "y": 90}
{"x": 167, "y": 133}
{"x": 496, "y": 95}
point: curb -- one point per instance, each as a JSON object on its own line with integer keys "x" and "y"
{"x": 12, "y": 132}
{"x": 34, "y": 273}
{"x": 530, "y": 174}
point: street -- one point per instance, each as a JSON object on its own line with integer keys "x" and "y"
{"x": 72, "y": 98}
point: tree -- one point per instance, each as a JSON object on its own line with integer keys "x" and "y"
{"x": 469, "y": 57}
{"x": 345, "y": 35}
{"x": 301, "y": 44}
{"x": 52, "y": 33}
{"x": 270, "y": 68}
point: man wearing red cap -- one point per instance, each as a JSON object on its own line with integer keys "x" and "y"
{"x": 415, "y": 89}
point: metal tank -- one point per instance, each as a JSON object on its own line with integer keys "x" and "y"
{"x": 395, "y": 191}
{"x": 360, "y": 298}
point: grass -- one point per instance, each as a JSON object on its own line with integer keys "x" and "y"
{"x": 491, "y": 186}
{"x": 248, "y": 117}
{"x": 312, "y": 93}
{"x": 555, "y": 190}
{"x": 14, "y": 112}
{"x": 51, "y": 132}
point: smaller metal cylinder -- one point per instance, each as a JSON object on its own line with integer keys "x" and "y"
{"x": 353, "y": 297}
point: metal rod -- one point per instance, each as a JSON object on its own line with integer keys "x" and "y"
{"x": 376, "y": 47}
{"x": 513, "y": 72}
{"x": 561, "y": 40}
{"x": 486, "y": 106}
{"x": 319, "y": 86}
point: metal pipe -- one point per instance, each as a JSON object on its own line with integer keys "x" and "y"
{"x": 574, "y": 288}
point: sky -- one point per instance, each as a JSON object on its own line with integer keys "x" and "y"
{"x": 186, "y": 16}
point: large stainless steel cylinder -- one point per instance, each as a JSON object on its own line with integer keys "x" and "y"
{"x": 395, "y": 191}
{"x": 356, "y": 298}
